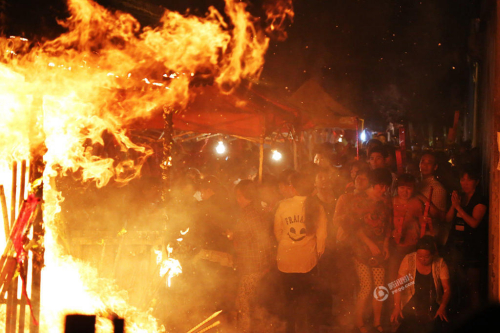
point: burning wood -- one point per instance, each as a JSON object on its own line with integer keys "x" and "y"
{"x": 4, "y": 212}
{"x": 208, "y": 328}
{"x": 197, "y": 327}
{"x": 14, "y": 256}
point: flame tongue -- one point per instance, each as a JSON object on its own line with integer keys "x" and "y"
{"x": 106, "y": 72}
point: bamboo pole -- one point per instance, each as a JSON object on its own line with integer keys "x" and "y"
{"x": 208, "y": 328}
{"x": 22, "y": 183}
{"x": 5, "y": 212}
{"x": 37, "y": 167}
{"x": 261, "y": 159}
{"x": 24, "y": 270}
{"x": 295, "y": 154}
{"x": 13, "y": 195}
{"x": 204, "y": 322}
{"x": 36, "y": 171}
{"x": 11, "y": 312}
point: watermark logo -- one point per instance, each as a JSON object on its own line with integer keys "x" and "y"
{"x": 381, "y": 293}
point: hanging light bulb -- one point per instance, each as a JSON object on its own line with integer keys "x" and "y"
{"x": 363, "y": 136}
{"x": 220, "y": 149}
{"x": 276, "y": 155}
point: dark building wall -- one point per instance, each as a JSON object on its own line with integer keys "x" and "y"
{"x": 487, "y": 48}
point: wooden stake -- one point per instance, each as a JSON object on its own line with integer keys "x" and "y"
{"x": 295, "y": 157}
{"x": 13, "y": 196}
{"x": 22, "y": 183}
{"x": 208, "y": 328}
{"x": 11, "y": 312}
{"x": 5, "y": 213}
{"x": 24, "y": 270}
{"x": 261, "y": 159}
{"x": 204, "y": 322}
{"x": 37, "y": 167}
{"x": 36, "y": 171}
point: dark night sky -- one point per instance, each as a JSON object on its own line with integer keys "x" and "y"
{"x": 385, "y": 59}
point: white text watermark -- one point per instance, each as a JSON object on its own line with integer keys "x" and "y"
{"x": 381, "y": 293}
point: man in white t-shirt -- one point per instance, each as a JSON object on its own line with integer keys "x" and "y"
{"x": 300, "y": 229}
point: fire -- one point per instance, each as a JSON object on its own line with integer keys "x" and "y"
{"x": 279, "y": 13}
{"x": 60, "y": 98}
{"x": 169, "y": 267}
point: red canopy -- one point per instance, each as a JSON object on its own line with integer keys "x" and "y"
{"x": 242, "y": 113}
{"x": 321, "y": 109}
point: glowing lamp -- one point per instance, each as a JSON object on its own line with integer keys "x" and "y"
{"x": 363, "y": 136}
{"x": 220, "y": 149}
{"x": 276, "y": 155}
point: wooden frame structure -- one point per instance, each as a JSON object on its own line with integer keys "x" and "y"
{"x": 15, "y": 299}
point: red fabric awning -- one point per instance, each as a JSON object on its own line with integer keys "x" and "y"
{"x": 321, "y": 110}
{"x": 242, "y": 113}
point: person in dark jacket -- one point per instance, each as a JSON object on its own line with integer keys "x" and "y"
{"x": 467, "y": 242}
{"x": 252, "y": 244}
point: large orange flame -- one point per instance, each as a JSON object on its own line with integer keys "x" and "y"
{"x": 106, "y": 72}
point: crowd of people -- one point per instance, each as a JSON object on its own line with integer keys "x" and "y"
{"x": 352, "y": 244}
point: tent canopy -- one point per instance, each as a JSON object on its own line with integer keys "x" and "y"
{"x": 322, "y": 110}
{"x": 252, "y": 113}
{"x": 242, "y": 113}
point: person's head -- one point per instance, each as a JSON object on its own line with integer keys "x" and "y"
{"x": 269, "y": 188}
{"x": 285, "y": 183}
{"x": 303, "y": 184}
{"x": 426, "y": 250}
{"x": 323, "y": 160}
{"x": 412, "y": 167}
{"x": 250, "y": 173}
{"x": 382, "y": 138}
{"x": 373, "y": 143}
{"x": 356, "y": 167}
{"x": 390, "y": 161}
{"x": 406, "y": 186}
{"x": 376, "y": 157}
{"x": 246, "y": 192}
{"x": 323, "y": 180}
{"x": 361, "y": 182}
{"x": 428, "y": 164}
{"x": 380, "y": 180}
{"x": 469, "y": 178}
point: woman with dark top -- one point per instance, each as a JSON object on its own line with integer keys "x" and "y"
{"x": 422, "y": 290}
{"x": 324, "y": 185}
{"x": 366, "y": 221}
{"x": 467, "y": 244}
{"x": 252, "y": 244}
{"x": 344, "y": 285}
